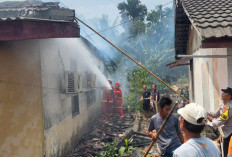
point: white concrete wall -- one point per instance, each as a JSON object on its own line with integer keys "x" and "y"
{"x": 229, "y": 65}
{"x": 62, "y": 128}
{"x": 35, "y": 115}
{"x": 220, "y": 74}
{"x": 21, "y": 111}
{"x": 210, "y": 76}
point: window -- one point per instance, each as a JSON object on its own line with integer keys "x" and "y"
{"x": 90, "y": 97}
{"x": 75, "y": 105}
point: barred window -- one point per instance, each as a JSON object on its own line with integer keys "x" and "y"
{"x": 90, "y": 97}
{"x": 75, "y": 105}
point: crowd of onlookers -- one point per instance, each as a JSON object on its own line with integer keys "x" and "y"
{"x": 181, "y": 135}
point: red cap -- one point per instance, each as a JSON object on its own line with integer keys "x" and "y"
{"x": 117, "y": 84}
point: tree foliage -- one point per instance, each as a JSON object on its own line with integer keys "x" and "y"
{"x": 148, "y": 37}
{"x": 133, "y": 9}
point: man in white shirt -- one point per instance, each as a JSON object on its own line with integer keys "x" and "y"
{"x": 192, "y": 122}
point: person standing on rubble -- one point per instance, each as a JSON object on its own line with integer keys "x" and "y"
{"x": 146, "y": 96}
{"x": 107, "y": 99}
{"x": 155, "y": 93}
{"x": 155, "y": 96}
{"x": 223, "y": 117}
{"x": 170, "y": 137}
{"x": 118, "y": 100}
{"x": 193, "y": 118}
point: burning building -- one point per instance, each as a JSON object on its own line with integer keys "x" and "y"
{"x": 48, "y": 80}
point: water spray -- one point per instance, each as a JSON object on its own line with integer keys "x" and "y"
{"x": 133, "y": 60}
{"x": 165, "y": 121}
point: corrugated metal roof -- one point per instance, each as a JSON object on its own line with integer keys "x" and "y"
{"x": 25, "y": 20}
{"x": 211, "y": 18}
{"x": 35, "y": 10}
{"x": 29, "y": 19}
{"x": 8, "y": 5}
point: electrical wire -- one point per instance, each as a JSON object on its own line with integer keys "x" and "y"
{"x": 109, "y": 28}
{"x": 29, "y": 85}
{"x": 25, "y": 85}
{"x": 35, "y": 86}
{"x": 167, "y": 3}
{"x": 132, "y": 59}
{"x": 119, "y": 23}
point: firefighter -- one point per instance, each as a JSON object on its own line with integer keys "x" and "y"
{"x": 107, "y": 99}
{"x": 118, "y": 100}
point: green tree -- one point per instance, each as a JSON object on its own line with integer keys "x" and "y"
{"x": 149, "y": 39}
{"x": 135, "y": 11}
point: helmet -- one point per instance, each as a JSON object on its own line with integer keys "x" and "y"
{"x": 117, "y": 84}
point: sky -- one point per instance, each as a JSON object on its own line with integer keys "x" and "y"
{"x": 92, "y": 9}
{"x": 96, "y": 8}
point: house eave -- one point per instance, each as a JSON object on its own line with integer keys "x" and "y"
{"x": 180, "y": 62}
{"x": 224, "y": 42}
{"x": 37, "y": 29}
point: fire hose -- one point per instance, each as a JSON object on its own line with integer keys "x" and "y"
{"x": 165, "y": 121}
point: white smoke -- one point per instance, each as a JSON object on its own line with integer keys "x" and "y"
{"x": 84, "y": 56}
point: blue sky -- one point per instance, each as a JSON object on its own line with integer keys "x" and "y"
{"x": 96, "y": 8}
{"x": 90, "y": 9}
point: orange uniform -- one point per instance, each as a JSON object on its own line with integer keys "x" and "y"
{"x": 118, "y": 101}
{"x": 107, "y": 100}
{"x": 230, "y": 148}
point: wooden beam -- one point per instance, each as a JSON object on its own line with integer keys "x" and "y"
{"x": 204, "y": 56}
{"x": 179, "y": 62}
{"x": 217, "y": 43}
{"x": 22, "y": 30}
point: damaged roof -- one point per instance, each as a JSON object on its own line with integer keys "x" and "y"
{"x": 21, "y": 20}
{"x": 211, "y": 18}
{"x": 36, "y": 10}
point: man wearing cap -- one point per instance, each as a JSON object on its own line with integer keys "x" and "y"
{"x": 193, "y": 118}
{"x": 170, "y": 137}
{"x": 118, "y": 100}
{"x": 223, "y": 117}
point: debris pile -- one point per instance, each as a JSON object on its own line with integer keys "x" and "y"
{"x": 107, "y": 129}
{"x": 104, "y": 130}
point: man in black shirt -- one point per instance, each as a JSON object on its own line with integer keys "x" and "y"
{"x": 146, "y": 96}
{"x": 155, "y": 93}
{"x": 155, "y": 96}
